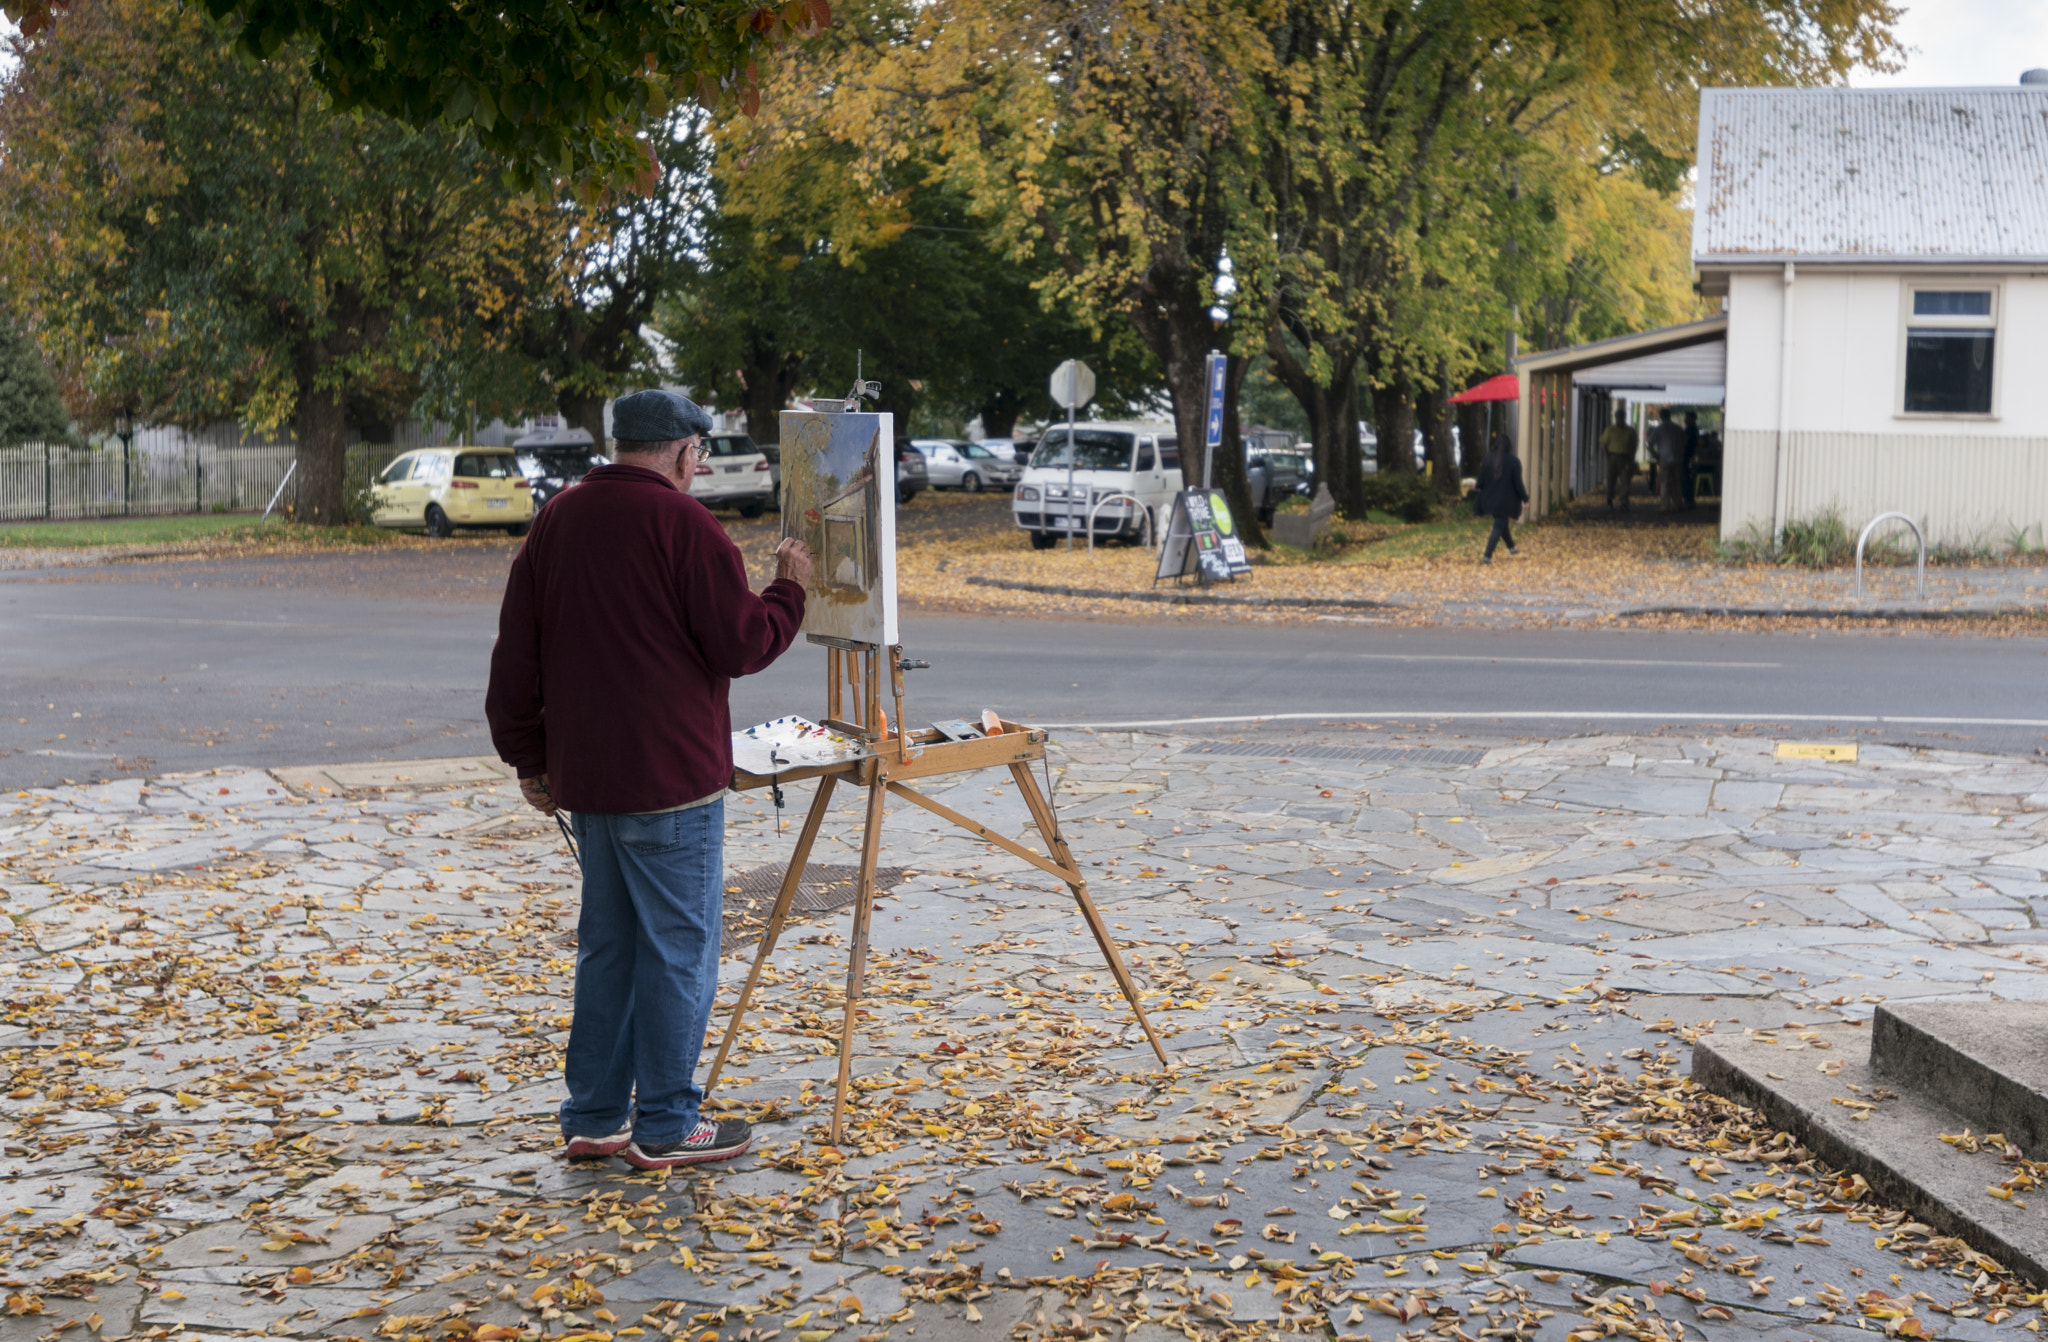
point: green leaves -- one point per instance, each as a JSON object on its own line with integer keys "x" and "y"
{"x": 551, "y": 87}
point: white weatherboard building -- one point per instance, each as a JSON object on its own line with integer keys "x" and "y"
{"x": 1884, "y": 258}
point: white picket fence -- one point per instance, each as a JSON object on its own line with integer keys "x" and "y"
{"x": 46, "y": 481}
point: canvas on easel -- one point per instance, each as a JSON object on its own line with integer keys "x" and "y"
{"x": 839, "y": 498}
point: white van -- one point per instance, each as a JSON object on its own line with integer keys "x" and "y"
{"x": 1105, "y": 459}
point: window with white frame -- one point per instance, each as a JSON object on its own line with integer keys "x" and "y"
{"x": 1951, "y": 344}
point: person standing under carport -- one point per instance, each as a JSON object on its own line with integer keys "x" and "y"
{"x": 1670, "y": 447}
{"x": 626, "y": 615}
{"x": 1618, "y": 441}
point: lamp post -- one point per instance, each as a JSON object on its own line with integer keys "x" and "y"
{"x": 124, "y": 429}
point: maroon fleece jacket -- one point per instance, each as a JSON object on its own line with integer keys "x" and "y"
{"x": 626, "y": 616}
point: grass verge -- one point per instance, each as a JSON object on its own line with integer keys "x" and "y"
{"x": 236, "y": 530}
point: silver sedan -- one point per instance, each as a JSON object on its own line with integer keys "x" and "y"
{"x": 968, "y": 466}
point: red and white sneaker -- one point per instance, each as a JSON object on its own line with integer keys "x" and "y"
{"x": 709, "y": 1141}
{"x": 597, "y": 1148}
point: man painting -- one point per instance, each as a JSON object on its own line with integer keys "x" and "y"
{"x": 626, "y": 615}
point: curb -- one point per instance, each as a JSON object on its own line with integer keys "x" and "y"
{"x": 1895, "y": 1144}
{"x": 1831, "y": 613}
{"x": 1180, "y": 598}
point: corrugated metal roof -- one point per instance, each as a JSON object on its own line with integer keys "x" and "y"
{"x": 1629, "y": 346}
{"x": 1834, "y": 174}
{"x": 1693, "y": 366}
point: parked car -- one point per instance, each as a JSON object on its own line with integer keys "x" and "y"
{"x": 443, "y": 488}
{"x": 1273, "y": 477}
{"x": 733, "y": 473}
{"x": 955, "y": 464}
{"x": 773, "y": 451}
{"x": 911, "y": 475}
{"x": 550, "y": 469}
{"x": 1106, "y": 459}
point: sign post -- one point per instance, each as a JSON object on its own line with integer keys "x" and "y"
{"x": 1212, "y": 437}
{"x": 1073, "y": 386}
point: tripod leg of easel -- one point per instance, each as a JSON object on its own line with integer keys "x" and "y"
{"x": 1041, "y": 815}
{"x": 857, "y": 958}
{"x": 799, "y": 857}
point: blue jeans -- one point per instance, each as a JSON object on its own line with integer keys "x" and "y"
{"x": 646, "y": 971}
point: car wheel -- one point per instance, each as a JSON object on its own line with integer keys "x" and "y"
{"x": 904, "y": 496}
{"x": 1044, "y": 540}
{"x": 438, "y": 525}
{"x": 971, "y": 483}
{"x": 518, "y": 529}
{"x": 751, "y": 509}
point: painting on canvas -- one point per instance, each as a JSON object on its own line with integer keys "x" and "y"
{"x": 839, "y": 498}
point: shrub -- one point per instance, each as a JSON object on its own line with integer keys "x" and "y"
{"x": 1406, "y": 496}
{"x": 1819, "y": 541}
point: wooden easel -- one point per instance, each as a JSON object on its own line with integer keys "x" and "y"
{"x": 853, "y": 706}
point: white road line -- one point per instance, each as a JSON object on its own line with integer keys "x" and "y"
{"x": 1553, "y": 661}
{"x": 158, "y": 619}
{"x": 1597, "y": 715}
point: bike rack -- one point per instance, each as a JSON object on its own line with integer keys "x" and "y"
{"x": 1919, "y": 542}
{"x": 1143, "y": 512}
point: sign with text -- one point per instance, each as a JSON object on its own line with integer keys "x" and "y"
{"x": 1201, "y": 539}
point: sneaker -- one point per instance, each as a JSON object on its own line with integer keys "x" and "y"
{"x": 1486, "y": 559}
{"x": 710, "y": 1141}
{"x": 597, "y": 1148}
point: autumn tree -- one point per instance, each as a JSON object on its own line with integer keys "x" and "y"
{"x": 1109, "y": 141}
{"x": 577, "y": 304}
{"x": 193, "y": 237}
{"x": 552, "y": 89}
{"x": 806, "y": 270}
{"x": 1431, "y": 165}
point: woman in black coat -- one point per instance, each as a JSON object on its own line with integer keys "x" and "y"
{"x": 1501, "y": 493}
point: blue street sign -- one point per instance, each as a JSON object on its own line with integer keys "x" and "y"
{"x": 1216, "y": 372}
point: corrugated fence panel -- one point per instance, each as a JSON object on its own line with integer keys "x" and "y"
{"x": 61, "y": 482}
{"x": 1958, "y": 488}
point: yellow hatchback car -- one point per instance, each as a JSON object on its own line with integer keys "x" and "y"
{"x": 442, "y": 488}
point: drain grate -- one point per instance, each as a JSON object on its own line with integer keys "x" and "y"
{"x": 750, "y": 896}
{"x": 1349, "y": 755}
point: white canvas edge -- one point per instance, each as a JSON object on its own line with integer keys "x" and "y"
{"x": 887, "y": 514}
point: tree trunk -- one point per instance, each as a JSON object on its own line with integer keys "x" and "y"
{"x": 581, "y": 410}
{"x": 1434, "y": 412}
{"x": 323, "y": 441}
{"x": 767, "y": 385}
{"x": 1393, "y": 419}
{"x": 999, "y": 414}
{"x": 1349, "y": 486}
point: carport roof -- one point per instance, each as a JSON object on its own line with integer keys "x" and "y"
{"x": 1572, "y": 358}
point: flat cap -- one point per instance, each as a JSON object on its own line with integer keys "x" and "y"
{"x": 656, "y": 416}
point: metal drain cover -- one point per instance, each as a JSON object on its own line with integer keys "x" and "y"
{"x": 750, "y": 896}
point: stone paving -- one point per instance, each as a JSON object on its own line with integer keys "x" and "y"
{"x": 282, "y": 1049}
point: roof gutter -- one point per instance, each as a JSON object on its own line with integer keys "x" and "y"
{"x": 1775, "y": 259}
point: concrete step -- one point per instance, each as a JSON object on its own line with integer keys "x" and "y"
{"x": 1986, "y": 1062}
{"x": 1862, "y": 1122}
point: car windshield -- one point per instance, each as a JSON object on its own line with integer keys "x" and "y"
{"x": 574, "y": 461}
{"x": 485, "y": 466}
{"x": 978, "y": 453}
{"x": 735, "y": 446}
{"x": 1095, "y": 450}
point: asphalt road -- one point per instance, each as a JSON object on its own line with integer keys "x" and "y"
{"x": 133, "y": 669}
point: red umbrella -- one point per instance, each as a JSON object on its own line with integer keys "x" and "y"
{"x": 1506, "y": 387}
